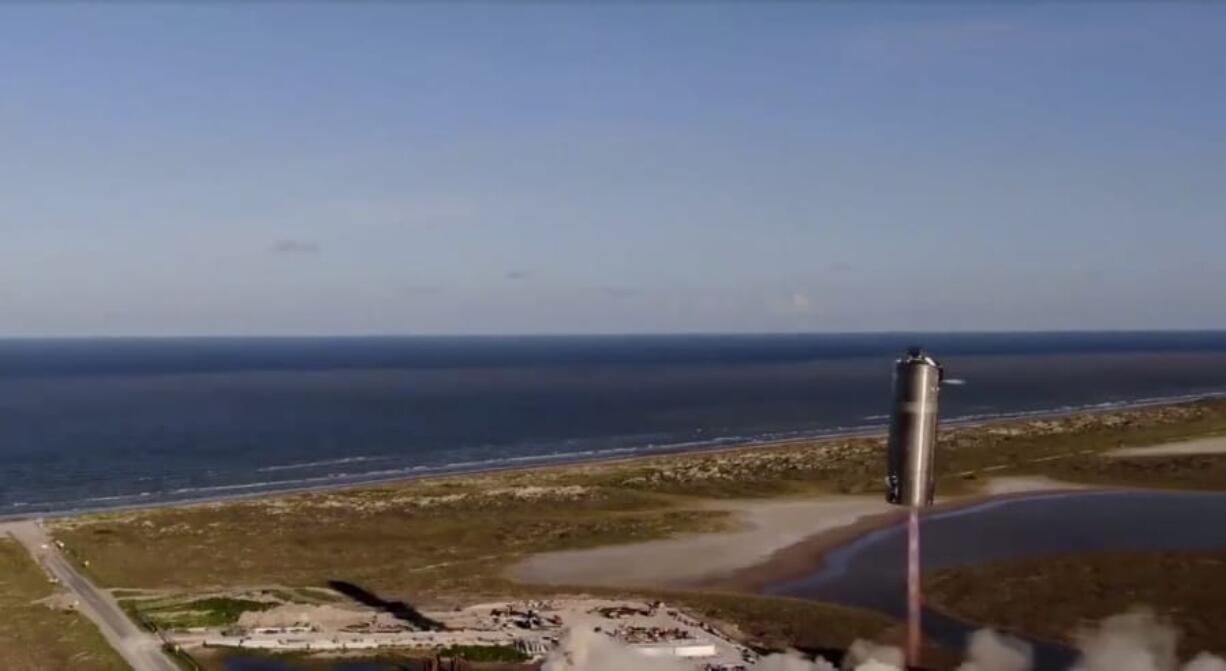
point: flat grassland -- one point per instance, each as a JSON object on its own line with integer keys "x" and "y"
{"x": 35, "y": 637}
{"x": 446, "y": 540}
{"x": 1049, "y": 597}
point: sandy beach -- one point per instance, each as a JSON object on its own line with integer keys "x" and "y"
{"x": 240, "y": 493}
{"x": 774, "y": 540}
{"x": 709, "y": 529}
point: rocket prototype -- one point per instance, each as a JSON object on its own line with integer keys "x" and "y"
{"x": 913, "y": 430}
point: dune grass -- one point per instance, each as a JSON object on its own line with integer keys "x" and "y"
{"x": 449, "y": 539}
{"x": 1051, "y": 597}
{"x": 424, "y": 541}
{"x": 212, "y": 611}
{"x": 35, "y": 637}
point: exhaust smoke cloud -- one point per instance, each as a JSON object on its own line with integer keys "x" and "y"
{"x": 1136, "y": 641}
{"x": 991, "y": 651}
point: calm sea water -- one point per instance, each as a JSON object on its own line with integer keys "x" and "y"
{"x": 97, "y": 423}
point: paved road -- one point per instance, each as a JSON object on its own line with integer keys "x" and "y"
{"x": 138, "y": 647}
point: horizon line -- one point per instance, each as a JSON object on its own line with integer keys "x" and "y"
{"x": 628, "y": 334}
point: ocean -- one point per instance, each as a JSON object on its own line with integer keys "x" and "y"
{"x": 88, "y": 424}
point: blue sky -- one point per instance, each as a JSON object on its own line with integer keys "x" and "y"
{"x": 551, "y": 168}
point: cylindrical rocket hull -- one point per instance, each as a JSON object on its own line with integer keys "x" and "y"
{"x": 913, "y": 431}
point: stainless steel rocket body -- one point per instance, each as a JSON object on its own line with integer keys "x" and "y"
{"x": 913, "y": 430}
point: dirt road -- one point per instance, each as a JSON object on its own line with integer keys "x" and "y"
{"x": 139, "y": 648}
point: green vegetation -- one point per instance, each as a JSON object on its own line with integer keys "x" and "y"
{"x": 1049, "y": 597}
{"x": 35, "y": 637}
{"x": 418, "y": 541}
{"x": 447, "y": 540}
{"x": 485, "y": 653}
{"x": 130, "y": 593}
{"x": 1070, "y": 448}
{"x": 208, "y": 612}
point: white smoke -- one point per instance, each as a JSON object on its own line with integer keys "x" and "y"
{"x": 1205, "y": 662}
{"x": 992, "y": 651}
{"x": 865, "y": 656}
{"x": 1136, "y": 641}
{"x": 792, "y": 661}
{"x": 588, "y": 650}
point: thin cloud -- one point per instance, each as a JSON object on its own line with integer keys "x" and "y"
{"x": 295, "y": 247}
{"x": 517, "y": 275}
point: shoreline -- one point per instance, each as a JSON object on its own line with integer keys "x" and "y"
{"x": 809, "y": 556}
{"x": 680, "y": 449}
{"x": 713, "y": 530}
{"x": 776, "y": 541}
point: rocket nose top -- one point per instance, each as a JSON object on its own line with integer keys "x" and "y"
{"x": 918, "y": 355}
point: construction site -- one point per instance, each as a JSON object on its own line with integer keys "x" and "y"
{"x": 523, "y": 632}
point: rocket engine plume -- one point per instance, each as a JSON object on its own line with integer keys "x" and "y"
{"x": 915, "y": 599}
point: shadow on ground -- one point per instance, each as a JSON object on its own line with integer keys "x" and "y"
{"x": 401, "y": 610}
